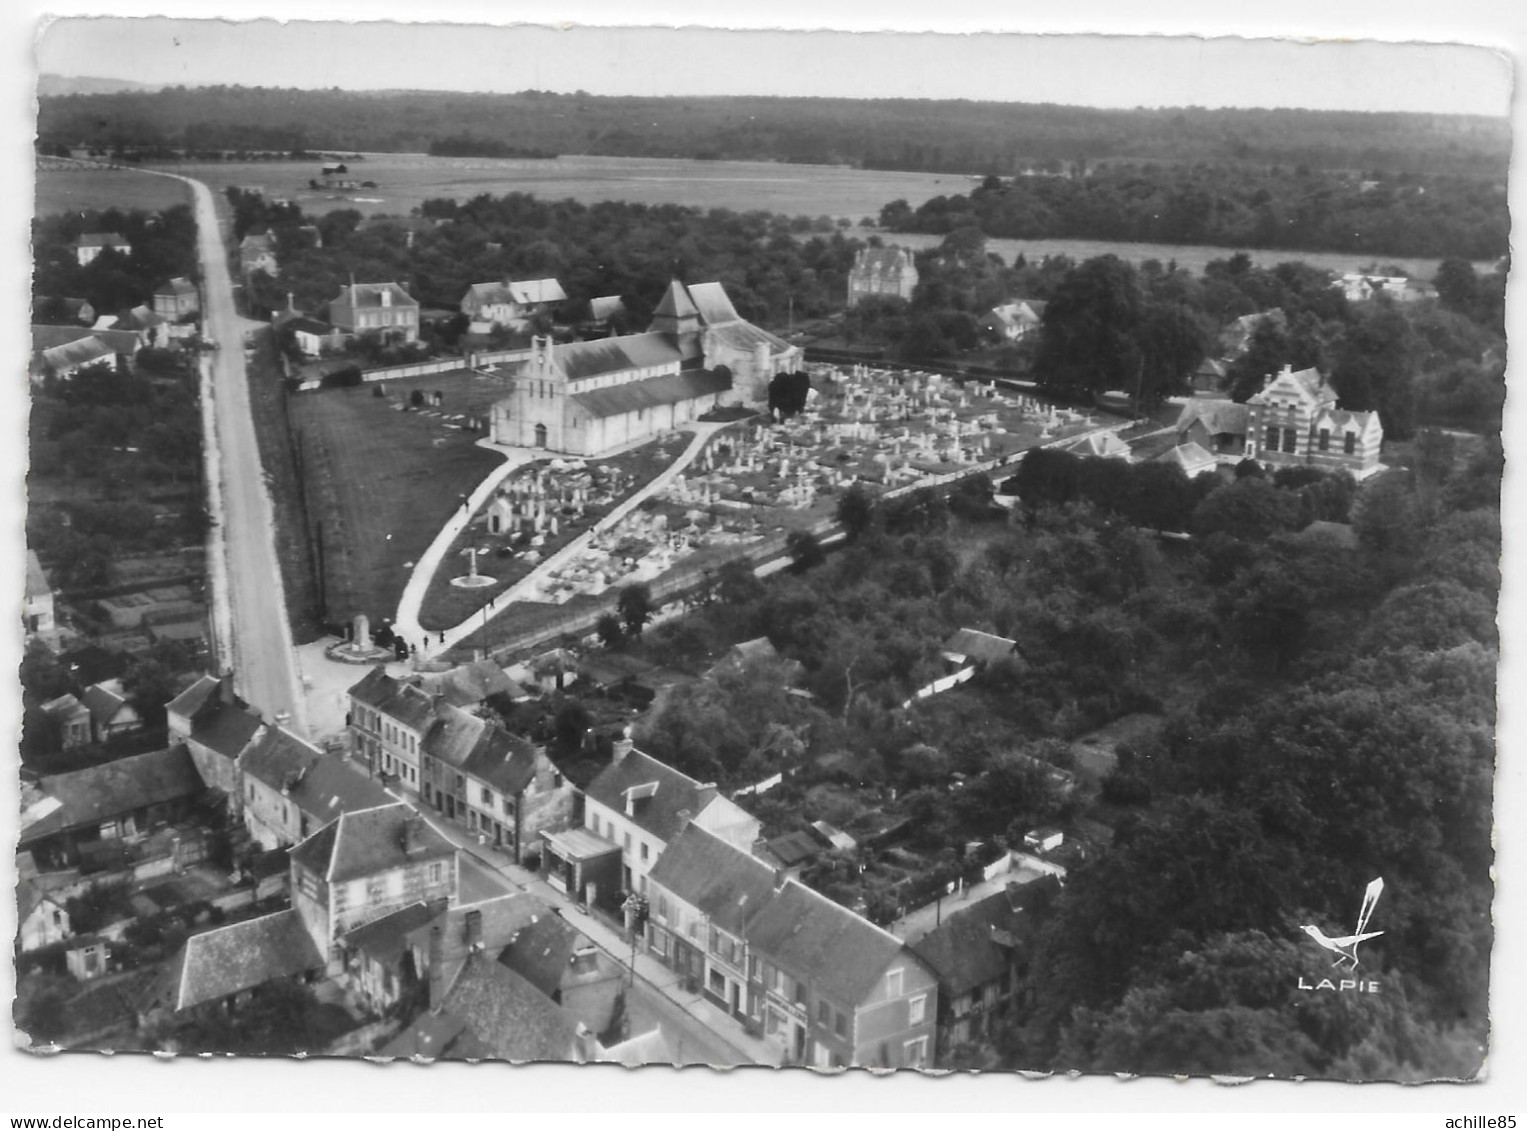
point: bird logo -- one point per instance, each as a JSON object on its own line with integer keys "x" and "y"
{"x": 1345, "y": 948}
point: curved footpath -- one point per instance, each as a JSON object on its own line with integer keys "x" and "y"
{"x": 406, "y": 623}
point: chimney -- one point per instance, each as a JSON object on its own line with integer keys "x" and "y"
{"x": 436, "y": 960}
{"x": 622, "y": 746}
{"x": 409, "y": 834}
{"x": 225, "y": 688}
{"x": 585, "y": 1045}
{"x": 474, "y": 930}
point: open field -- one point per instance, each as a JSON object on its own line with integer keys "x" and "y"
{"x": 1194, "y": 257}
{"x": 405, "y": 180}
{"x": 381, "y": 482}
{"x": 66, "y": 190}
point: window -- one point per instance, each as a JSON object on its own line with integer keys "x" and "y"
{"x": 436, "y": 873}
{"x": 1272, "y": 438}
{"x": 824, "y": 1014}
{"x": 717, "y": 983}
{"x": 662, "y": 908}
{"x": 1349, "y": 443}
{"x": 1290, "y": 440}
{"x": 628, "y": 842}
{"x": 594, "y": 824}
{"x": 915, "y": 1053}
{"x": 893, "y": 983}
{"x": 644, "y": 851}
{"x": 487, "y": 796}
{"x": 1325, "y": 439}
{"x": 840, "y": 1025}
{"x": 918, "y": 1009}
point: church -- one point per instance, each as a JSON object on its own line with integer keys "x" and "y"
{"x": 591, "y": 398}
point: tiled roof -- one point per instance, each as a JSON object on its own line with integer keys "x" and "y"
{"x": 105, "y": 1003}
{"x": 386, "y": 939}
{"x": 882, "y": 260}
{"x": 974, "y": 946}
{"x": 400, "y": 701}
{"x": 100, "y": 793}
{"x": 712, "y": 302}
{"x": 1219, "y": 417}
{"x": 193, "y": 698}
{"x": 664, "y": 813}
{"x": 718, "y": 878}
{"x": 225, "y": 960}
{"x": 37, "y": 580}
{"x": 676, "y": 303}
{"x": 179, "y": 285}
{"x": 319, "y": 784}
{"x": 367, "y": 841}
{"x": 45, "y": 338}
{"x": 502, "y": 760}
{"x": 978, "y": 645}
{"x": 541, "y": 951}
{"x": 103, "y": 703}
{"x": 307, "y": 325}
{"x": 614, "y": 400}
{"x": 501, "y": 918}
{"x": 614, "y": 355}
{"x": 370, "y": 295}
{"x": 435, "y": 1036}
{"x": 1190, "y": 457}
{"x": 605, "y": 307}
{"x": 746, "y": 336}
{"x": 650, "y": 1047}
{"x": 468, "y": 684}
{"x": 511, "y": 1018}
{"x": 101, "y": 239}
{"x": 536, "y": 290}
{"x": 840, "y": 954}
{"x": 453, "y": 735}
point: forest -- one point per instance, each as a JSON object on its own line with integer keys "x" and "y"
{"x": 1225, "y": 205}
{"x": 975, "y": 138}
{"x": 1325, "y": 715}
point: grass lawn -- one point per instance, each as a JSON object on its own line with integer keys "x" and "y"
{"x": 70, "y": 190}
{"x": 382, "y": 481}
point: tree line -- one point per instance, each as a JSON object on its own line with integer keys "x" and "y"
{"x": 1230, "y": 206}
{"x": 946, "y": 136}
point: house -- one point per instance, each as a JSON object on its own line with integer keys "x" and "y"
{"x": 972, "y": 646}
{"x": 111, "y": 712}
{"x": 380, "y": 308}
{"x": 603, "y": 311}
{"x": 1192, "y": 458}
{"x": 511, "y": 304}
{"x": 290, "y": 789}
{"x": 364, "y": 864}
{"x": 588, "y": 398}
{"x": 41, "y": 917}
{"x": 110, "y": 801}
{"x": 1210, "y": 375}
{"x": 1045, "y": 839}
{"x": 388, "y": 719}
{"x": 311, "y": 336}
{"x": 488, "y": 1012}
{"x": 257, "y": 252}
{"x": 639, "y": 804}
{"x": 739, "y": 657}
{"x": 47, "y": 309}
{"x": 37, "y": 612}
{"x": 90, "y": 245}
{"x": 1294, "y": 422}
{"x": 979, "y": 955}
{"x": 87, "y": 957}
{"x": 176, "y": 299}
{"x": 223, "y": 965}
{"x": 497, "y": 784}
{"x": 379, "y": 969}
{"x": 216, "y": 726}
{"x": 832, "y": 990}
{"x": 1365, "y": 288}
{"x": 139, "y": 320}
{"x": 887, "y": 271}
{"x": 467, "y": 685}
{"x": 560, "y": 961}
{"x": 1016, "y": 320}
{"x": 702, "y": 895}
{"x": 1099, "y": 445}
{"x": 62, "y": 351}
{"x": 1216, "y": 425}
{"x": 70, "y": 720}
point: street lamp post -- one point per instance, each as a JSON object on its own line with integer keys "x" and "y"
{"x": 635, "y": 908}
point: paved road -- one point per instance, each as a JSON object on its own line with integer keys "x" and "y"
{"x": 260, "y": 643}
{"x": 479, "y": 882}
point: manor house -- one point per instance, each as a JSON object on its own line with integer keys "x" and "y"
{"x": 590, "y": 398}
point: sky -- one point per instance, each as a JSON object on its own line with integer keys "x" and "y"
{"x": 1098, "y": 70}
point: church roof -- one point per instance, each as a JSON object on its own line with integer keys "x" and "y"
{"x": 713, "y": 303}
{"x": 654, "y": 392}
{"x": 676, "y": 303}
{"x": 611, "y": 355}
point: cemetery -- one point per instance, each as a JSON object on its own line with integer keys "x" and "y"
{"x": 888, "y": 429}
